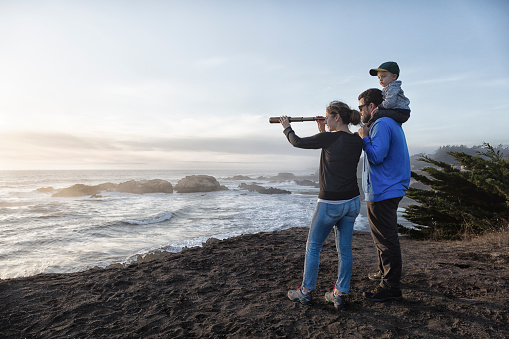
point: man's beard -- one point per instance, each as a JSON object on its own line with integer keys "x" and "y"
{"x": 365, "y": 118}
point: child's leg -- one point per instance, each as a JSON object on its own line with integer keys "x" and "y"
{"x": 398, "y": 115}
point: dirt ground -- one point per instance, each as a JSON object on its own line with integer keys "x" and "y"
{"x": 236, "y": 288}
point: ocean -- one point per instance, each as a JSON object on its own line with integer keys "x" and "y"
{"x": 44, "y": 234}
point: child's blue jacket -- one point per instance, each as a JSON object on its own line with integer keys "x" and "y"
{"x": 386, "y": 168}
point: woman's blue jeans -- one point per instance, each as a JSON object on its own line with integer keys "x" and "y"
{"x": 327, "y": 216}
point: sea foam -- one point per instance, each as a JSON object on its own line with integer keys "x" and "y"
{"x": 157, "y": 219}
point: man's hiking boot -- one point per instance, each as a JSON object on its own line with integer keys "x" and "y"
{"x": 384, "y": 294}
{"x": 375, "y": 276}
{"x": 339, "y": 301}
{"x": 298, "y": 295}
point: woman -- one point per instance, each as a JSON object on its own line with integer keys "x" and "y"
{"x": 338, "y": 201}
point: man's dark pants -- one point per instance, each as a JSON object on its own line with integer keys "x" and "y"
{"x": 383, "y": 223}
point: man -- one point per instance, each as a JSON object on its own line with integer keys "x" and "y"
{"x": 385, "y": 179}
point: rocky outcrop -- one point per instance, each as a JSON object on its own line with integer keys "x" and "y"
{"x": 135, "y": 187}
{"x": 45, "y": 189}
{"x": 189, "y": 184}
{"x": 79, "y": 190}
{"x": 284, "y": 177}
{"x": 280, "y": 177}
{"x": 306, "y": 182}
{"x": 145, "y": 186}
{"x": 240, "y": 177}
{"x": 198, "y": 183}
{"x": 260, "y": 189}
{"x": 418, "y": 185}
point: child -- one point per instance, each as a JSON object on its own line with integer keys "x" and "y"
{"x": 395, "y": 104}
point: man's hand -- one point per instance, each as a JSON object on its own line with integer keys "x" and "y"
{"x": 321, "y": 124}
{"x": 284, "y": 121}
{"x": 363, "y": 131}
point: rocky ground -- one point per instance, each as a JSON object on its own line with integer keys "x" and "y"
{"x": 236, "y": 288}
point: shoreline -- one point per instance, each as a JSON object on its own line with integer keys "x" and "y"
{"x": 236, "y": 288}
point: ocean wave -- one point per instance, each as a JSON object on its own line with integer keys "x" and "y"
{"x": 12, "y": 203}
{"x": 157, "y": 219}
{"x": 162, "y": 251}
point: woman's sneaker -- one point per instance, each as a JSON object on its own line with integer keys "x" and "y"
{"x": 339, "y": 301}
{"x": 298, "y": 295}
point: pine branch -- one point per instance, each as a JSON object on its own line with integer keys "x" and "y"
{"x": 471, "y": 199}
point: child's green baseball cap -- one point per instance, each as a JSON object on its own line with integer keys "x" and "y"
{"x": 389, "y": 66}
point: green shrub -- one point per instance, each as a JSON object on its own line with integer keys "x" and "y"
{"x": 470, "y": 198}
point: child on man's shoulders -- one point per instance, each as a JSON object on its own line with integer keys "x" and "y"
{"x": 395, "y": 104}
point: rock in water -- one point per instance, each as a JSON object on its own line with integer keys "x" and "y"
{"x": 198, "y": 183}
{"x": 45, "y": 189}
{"x": 241, "y": 177}
{"x": 132, "y": 186}
{"x": 79, "y": 190}
{"x": 306, "y": 182}
{"x": 145, "y": 186}
{"x": 284, "y": 176}
{"x": 260, "y": 189}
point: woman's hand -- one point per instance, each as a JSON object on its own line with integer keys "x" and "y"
{"x": 321, "y": 124}
{"x": 284, "y": 121}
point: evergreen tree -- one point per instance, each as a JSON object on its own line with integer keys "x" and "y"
{"x": 472, "y": 198}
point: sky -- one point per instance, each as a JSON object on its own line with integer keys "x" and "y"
{"x": 124, "y": 84}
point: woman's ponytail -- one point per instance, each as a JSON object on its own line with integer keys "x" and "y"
{"x": 355, "y": 117}
{"x": 348, "y": 116}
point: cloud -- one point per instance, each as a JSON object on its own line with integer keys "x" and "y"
{"x": 50, "y": 140}
{"x": 500, "y": 82}
{"x": 30, "y": 142}
{"x": 48, "y": 150}
{"x": 214, "y": 145}
{"x": 442, "y": 80}
{"x": 212, "y": 62}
